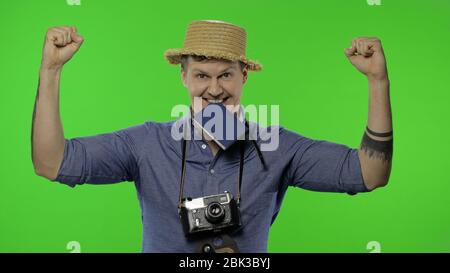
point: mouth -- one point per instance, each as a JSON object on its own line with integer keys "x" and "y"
{"x": 216, "y": 100}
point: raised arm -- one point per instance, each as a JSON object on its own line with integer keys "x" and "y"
{"x": 47, "y": 136}
{"x": 375, "y": 153}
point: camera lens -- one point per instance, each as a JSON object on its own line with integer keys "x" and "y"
{"x": 215, "y": 213}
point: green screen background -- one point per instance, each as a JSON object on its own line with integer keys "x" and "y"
{"x": 119, "y": 78}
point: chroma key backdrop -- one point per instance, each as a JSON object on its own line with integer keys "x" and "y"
{"x": 119, "y": 78}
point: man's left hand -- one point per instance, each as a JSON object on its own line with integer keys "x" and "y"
{"x": 366, "y": 54}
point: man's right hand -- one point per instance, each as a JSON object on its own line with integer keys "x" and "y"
{"x": 61, "y": 43}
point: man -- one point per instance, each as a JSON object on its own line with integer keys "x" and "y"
{"x": 214, "y": 68}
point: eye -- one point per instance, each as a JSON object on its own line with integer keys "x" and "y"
{"x": 226, "y": 75}
{"x": 200, "y": 76}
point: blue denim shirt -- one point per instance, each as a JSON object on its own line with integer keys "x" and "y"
{"x": 148, "y": 155}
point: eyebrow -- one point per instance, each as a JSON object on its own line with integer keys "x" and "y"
{"x": 198, "y": 70}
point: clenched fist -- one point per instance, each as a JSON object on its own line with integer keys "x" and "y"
{"x": 60, "y": 45}
{"x": 366, "y": 54}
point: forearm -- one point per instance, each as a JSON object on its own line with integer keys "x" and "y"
{"x": 47, "y": 138}
{"x": 380, "y": 117}
{"x": 375, "y": 153}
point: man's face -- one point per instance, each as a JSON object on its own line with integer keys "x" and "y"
{"x": 214, "y": 81}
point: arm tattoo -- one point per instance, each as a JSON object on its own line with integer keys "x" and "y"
{"x": 381, "y": 149}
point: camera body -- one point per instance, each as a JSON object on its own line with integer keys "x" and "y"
{"x": 209, "y": 214}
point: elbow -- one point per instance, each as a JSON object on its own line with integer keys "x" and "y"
{"x": 46, "y": 172}
{"x": 375, "y": 173}
{"x": 376, "y": 182}
{"x": 46, "y": 166}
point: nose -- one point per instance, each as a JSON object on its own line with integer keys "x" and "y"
{"x": 215, "y": 90}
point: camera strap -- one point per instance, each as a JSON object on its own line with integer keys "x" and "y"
{"x": 241, "y": 164}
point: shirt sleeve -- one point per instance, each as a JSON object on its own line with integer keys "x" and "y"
{"x": 324, "y": 166}
{"x": 101, "y": 159}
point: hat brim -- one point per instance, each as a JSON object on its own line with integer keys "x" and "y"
{"x": 173, "y": 56}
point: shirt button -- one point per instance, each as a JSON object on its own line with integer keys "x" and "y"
{"x": 203, "y": 146}
{"x": 211, "y": 171}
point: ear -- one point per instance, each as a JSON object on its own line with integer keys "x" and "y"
{"x": 245, "y": 75}
{"x": 183, "y": 77}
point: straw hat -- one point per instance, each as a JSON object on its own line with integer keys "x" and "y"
{"x": 212, "y": 38}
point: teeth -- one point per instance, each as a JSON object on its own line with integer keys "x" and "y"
{"x": 215, "y": 101}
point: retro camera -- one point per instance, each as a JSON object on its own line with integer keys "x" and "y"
{"x": 210, "y": 214}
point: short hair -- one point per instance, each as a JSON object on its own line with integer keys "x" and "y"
{"x": 200, "y": 58}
